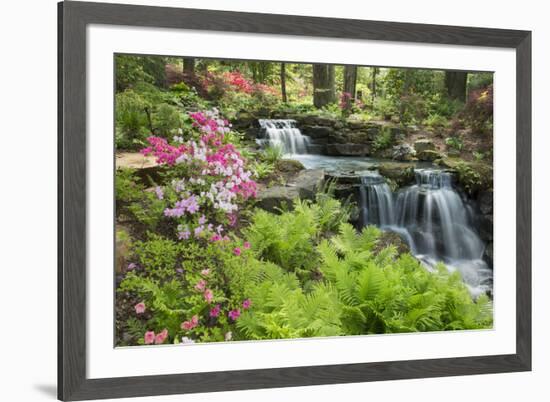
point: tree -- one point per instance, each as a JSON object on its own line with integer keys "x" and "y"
{"x": 323, "y": 85}
{"x": 455, "y": 83}
{"x": 373, "y": 84}
{"x": 188, "y": 66}
{"x": 350, "y": 83}
{"x": 283, "y": 82}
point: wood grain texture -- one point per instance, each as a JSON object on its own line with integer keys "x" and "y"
{"x": 73, "y": 19}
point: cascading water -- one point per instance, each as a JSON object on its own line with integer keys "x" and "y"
{"x": 433, "y": 219}
{"x": 284, "y": 134}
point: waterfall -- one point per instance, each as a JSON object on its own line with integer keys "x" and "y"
{"x": 284, "y": 134}
{"x": 434, "y": 220}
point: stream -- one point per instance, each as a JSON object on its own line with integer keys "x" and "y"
{"x": 435, "y": 219}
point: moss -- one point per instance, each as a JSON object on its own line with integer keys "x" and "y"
{"x": 473, "y": 177}
{"x": 400, "y": 173}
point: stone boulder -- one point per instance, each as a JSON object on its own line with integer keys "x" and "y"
{"x": 424, "y": 145}
{"x": 312, "y": 120}
{"x": 403, "y": 152}
{"x": 347, "y": 149}
{"x": 401, "y": 173}
{"x": 485, "y": 202}
{"x": 303, "y": 186}
{"x": 387, "y": 239}
{"x": 428, "y": 155}
{"x": 317, "y": 133}
{"x": 244, "y": 120}
{"x": 289, "y": 166}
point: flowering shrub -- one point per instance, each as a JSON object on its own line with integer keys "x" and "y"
{"x": 210, "y": 178}
{"x": 182, "y": 287}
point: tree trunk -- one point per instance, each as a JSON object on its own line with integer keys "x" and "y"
{"x": 350, "y": 82}
{"x": 373, "y": 84}
{"x": 455, "y": 82}
{"x": 283, "y": 82}
{"x": 323, "y": 85}
{"x": 188, "y": 66}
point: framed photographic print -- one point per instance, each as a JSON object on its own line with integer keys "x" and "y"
{"x": 252, "y": 201}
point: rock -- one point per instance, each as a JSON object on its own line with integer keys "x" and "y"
{"x": 317, "y": 132}
{"x": 244, "y": 120}
{"x": 347, "y": 149}
{"x": 304, "y": 186}
{"x": 424, "y": 145}
{"x": 486, "y": 228}
{"x": 485, "y": 202}
{"x": 401, "y": 173}
{"x": 428, "y": 155}
{"x": 289, "y": 166}
{"x": 387, "y": 239}
{"x": 397, "y": 133}
{"x": 308, "y": 182}
{"x": 373, "y": 133}
{"x": 276, "y": 197}
{"x": 356, "y": 124}
{"x": 403, "y": 152}
{"x": 145, "y": 166}
{"x": 343, "y": 177}
{"x": 317, "y": 149}
{"x": 313, "y": 120}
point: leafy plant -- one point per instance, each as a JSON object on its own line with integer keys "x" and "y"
{"x": 272, "y": 153}
{"x": 455, "y": 143}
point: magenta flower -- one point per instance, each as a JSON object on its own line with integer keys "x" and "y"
{"x": 237, "y": 251}
{"x": 149, "y": 337}
{"x": 140, "y": 308}
{"x": 215, "y": 237}
{"x": 201, "y": 285}
{"x": 246, "y": 245}
{"x": 208, "y": 295}
{"x": 247, "y": 303}
{"x": 215, "y": 311}
{"x": 234, "y": 314}
{"x": 161, "y": 336}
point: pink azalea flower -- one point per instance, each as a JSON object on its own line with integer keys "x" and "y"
{"x": 208, "y": 295}
{"x": 215, "y": 237}
{"x": 205, "y": 272}
{"x": 131, "y": 266}
{"x": 149, "y": 337}
{"x": 215, "y": 311}
{"x": 247, "y": 303}
{"x": 140, "y": 308}
{"x": 201, "y": 285}
{"x": 161, "y": 336}
{"x": 237, "y": 251}
{"x": 246, "y": 245}
{"x": 192, "y": 323}
{"x": 234, "y": 314}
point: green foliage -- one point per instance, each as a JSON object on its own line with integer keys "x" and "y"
{"x": 131, "y": 119}
{"x": 132, "y": 69}
{"x": 455, "y": 143}
{"x": 384, "y": 140}
{"x": 166, "y": 120}
{"x": 158, "y": 255}
{"x": 272, "y": 154}
{"x": 362, "y": 293}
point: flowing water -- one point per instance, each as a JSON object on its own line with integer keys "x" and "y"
{"x": 284, "y": 134}
{"x": 434, "y": 220}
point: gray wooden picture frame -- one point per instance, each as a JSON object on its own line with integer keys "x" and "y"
{"x": 73, "y": 18}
